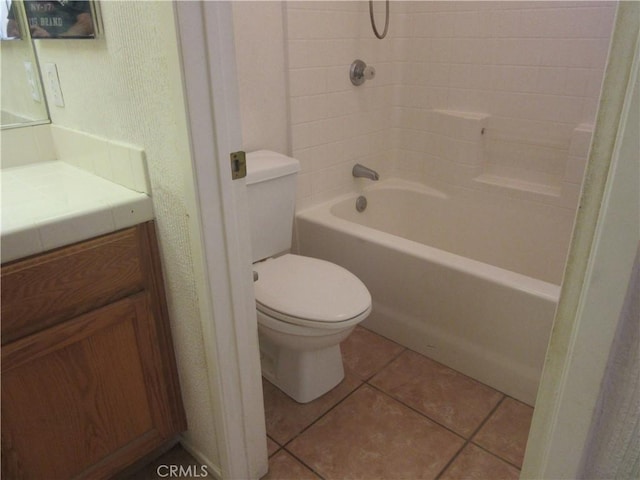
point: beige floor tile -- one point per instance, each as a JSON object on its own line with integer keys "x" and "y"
{"x": 473, "y": 463}
{"x": 285, "y": 417}
{"x": 505, "y": 433}
{"x": 272, "y": 447}
{"x": 446, "y": 396}
{"x": 371, "y": 436}
{"x": 283, "y": 466}
{"x": 364, "y": 353}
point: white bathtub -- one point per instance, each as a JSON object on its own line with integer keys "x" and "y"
{"x": 472, "y": 284}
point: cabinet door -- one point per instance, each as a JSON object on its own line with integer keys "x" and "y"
{"x": 86, "y": 397}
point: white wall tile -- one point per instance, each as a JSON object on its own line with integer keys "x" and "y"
{"x": 21, "y": 146}
{"x": 309, "y": 108}
{"x": 534, "y": 68}
{"x": 309, "y": 81}
{"x": 551, "y": 80}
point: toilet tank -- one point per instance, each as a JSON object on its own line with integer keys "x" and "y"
{"x": 271, "y": 191}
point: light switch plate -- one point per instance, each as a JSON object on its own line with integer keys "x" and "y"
{"x": 31, "y": 80}
{"x": 51, "y": 78}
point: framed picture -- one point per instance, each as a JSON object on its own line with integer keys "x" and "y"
{"x": 61, "y": 18}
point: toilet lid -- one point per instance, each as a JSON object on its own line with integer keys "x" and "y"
{"x": 309, "y": 290}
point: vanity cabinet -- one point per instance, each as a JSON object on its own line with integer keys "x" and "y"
{"x": 89, "y": 382}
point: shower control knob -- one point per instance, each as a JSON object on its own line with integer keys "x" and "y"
{"x": 359, "y": 72}
{"x": 369, "y": 72}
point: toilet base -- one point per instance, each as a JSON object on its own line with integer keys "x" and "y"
{"x": 303, "y": 375}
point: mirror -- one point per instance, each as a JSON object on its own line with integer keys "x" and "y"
{"x": 21, "y": 22}
{"x": 21, "y": 95}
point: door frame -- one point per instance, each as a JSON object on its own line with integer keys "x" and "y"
{"x": 604, "y": 244}
{"x": 205, "y": 31}
{"x": 206, "y": 37}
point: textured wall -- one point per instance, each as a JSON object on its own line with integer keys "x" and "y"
{"x": 126, "y": 87}
{"x": 614, "y": 447}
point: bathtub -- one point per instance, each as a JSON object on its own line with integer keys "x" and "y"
{"x": 471, "y": 283}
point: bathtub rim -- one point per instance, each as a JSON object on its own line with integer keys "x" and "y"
{"x": 321, "y": 214}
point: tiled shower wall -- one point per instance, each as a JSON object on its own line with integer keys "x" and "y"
{"x": 333, "y": 123}
{"x": 528, "y": 73}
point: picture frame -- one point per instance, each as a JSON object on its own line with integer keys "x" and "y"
{"x": 62, "y": 19}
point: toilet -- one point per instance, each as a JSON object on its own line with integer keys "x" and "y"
{"x": 305, "y": 306}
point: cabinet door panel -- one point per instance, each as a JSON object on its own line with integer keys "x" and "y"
{"x": 42, "y": 291}
{"x": 103, "y": 394}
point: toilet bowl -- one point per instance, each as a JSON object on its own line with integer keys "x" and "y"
{"x": 306, "y": 307}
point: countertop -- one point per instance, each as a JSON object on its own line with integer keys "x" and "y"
{"x": 52, "y": 204}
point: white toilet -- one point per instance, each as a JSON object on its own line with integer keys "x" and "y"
{"x": 305, "y": 306}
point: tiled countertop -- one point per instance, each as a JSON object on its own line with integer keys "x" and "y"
{"x": 52, "y": 204}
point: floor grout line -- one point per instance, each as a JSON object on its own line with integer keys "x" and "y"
{"x": 413, "y": 409}
{"x": 315, "y": 472}
{"x": 453, "y": 459}
{"x": 493, "y": 410}
{"x": 366, "y": 381}
{"x": 493, "y": 454}
{"x": 469, "y": 440}
{"x": 322, "y": 415}
{"x": 288, "y": 442}
{"x": 393, "y": 359}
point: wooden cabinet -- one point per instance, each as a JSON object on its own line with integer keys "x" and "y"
{"x": 89, "y": 383}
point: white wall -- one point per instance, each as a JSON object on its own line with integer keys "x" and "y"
{"x": 127, "y": 87}
{"x": 262, "y": 82}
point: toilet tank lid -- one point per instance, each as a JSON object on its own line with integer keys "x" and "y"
{"x": 265, "y": 165}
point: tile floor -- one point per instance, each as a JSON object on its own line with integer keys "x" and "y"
{"x": 176, "y": 464}
{"x": 397, "y": 415}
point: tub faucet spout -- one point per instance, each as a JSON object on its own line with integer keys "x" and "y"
{"x": 365, "y": 172}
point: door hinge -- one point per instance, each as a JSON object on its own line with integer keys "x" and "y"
{"x": 238, "y": 165}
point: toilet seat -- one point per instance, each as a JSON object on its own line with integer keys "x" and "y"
{"x": 310, "y": 292}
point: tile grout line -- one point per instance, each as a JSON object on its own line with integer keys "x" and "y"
{"x": 413, "y": 409}
{"x": 393, "y": 359}
{"x": 493, "y": 410}
{"x": 277, "y": 449}
{"x": 452, "y": 459}
{"x": 468, "y": 441}
{"x": 313, "y": 470}
{"x": 281, "y": 448}
{"x": 366, "y": 381}
{"x": 484, "y": 449}
{"x": 321, "y": 416}
{"x": 363, "y": 382}
{"x": 482, "y": 425}
{"x": 288, "y": 442}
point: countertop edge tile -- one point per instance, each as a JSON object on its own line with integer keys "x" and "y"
{"x": 112, "y": 207}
